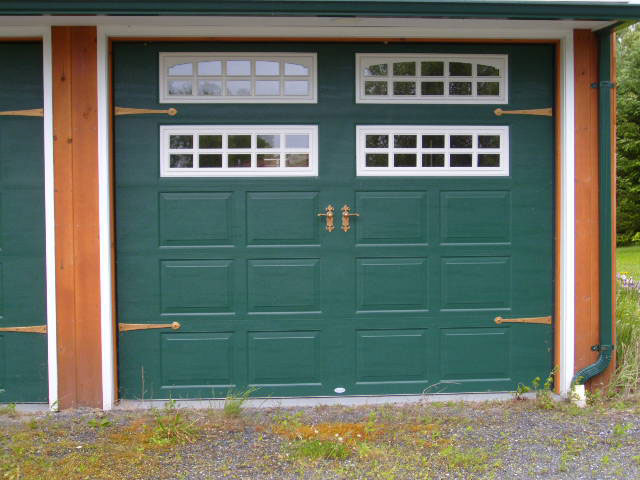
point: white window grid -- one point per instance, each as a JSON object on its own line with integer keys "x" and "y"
{"x": 282, "y": 170}
{"x": 364, "y": 60}
{"x": 447, "y": 131}
{"x": 169, "y": 59}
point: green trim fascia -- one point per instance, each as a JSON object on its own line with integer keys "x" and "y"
{"x": 387, "y": 8}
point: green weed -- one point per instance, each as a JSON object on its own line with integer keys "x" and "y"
{"x": 319, "y": 449}
{"x": 99, "y": 422}
{"x": 233, "y": 403}
{"x": 9, "y": 409}
{"x": 170, "y": 427}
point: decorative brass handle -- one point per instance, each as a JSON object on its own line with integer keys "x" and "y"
{"x": 329, "y": 214}
{"x": 542, "y": 320}
{"x": 31, "y": 329}
{"x": 125, "y": 327}
{"x": 345, "y": 217}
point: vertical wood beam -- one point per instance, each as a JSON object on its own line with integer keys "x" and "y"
{"x": 75, "y": 130}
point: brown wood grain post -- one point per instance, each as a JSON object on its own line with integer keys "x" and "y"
{"x": 75, "y": 129}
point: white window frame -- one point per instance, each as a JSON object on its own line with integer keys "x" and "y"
{"x": 364, "y": 58}
{"x": 309, "y": 58}
{"x": 257, "y": 172}
{"x": 363, "y": 171}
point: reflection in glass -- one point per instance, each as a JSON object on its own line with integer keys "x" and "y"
{"x": 239, "y": 87}
{"x": 297, "y": 160}
{"x": 433, "y": 141}
{"x": 432, "y": 88}
{"x": 238, "y": 67}
{"x": 404, "y": 88}
{"x": 433, "y": 159}
{"x": 181, "y": 69}
{"x": 461, "y": 141}
{"x": 267, "y": 87}
{"x": 180, "y": 141}
{"x": 297, "y": 141}
{"x": 432, "y": 69}
{"x": 404, "y": 69}
{"x": 210, "y": 141}
{"x": 488, "y": 71}
{"x": 295, "y": 69}
{"x": 460, "y": 69}
{"x": 488, "y": 141}
{"x": 210, "y": 87}
{"x": 405, "y": 141}
{"x": 269, "y": 160}
{"x": 180, "y": 161}
{"x": 405, "y": 159}
{"x": 239, "y": 141}
{"x": 210, "y": 160}
{"x": 377, "y": 141}
{"x": 268, "y": 141}
{"x": 213, "y": 67}
{"x": 296, "y": 87}
{"x": 460, "y": 160}
{"x": 180, "y": 87}
{"x": 488, "y": 160}
{"x": 267, "y": 67}
{"x": 379, "y": 70}
{"x": 460, "y": 88}
{"x": 375, "y": 88}
{"x": 237, "y": 160}
{"x": 488, "y": 88}
{"x": 377, "y": 160}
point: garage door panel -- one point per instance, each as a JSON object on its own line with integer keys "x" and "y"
{"x": 475, "y": 217}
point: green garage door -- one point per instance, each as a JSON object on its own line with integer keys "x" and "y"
{"x": 23, "y": 355}
{"x": 454, "y": 225}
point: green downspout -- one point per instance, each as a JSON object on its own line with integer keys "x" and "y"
{"x": 604, "y": 86}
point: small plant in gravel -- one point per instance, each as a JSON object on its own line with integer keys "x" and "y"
{"x": 544, "y": 399}
{"x": 8, "y": 409}
{"x": 170, "y": 426}
{"x": 100, "y": 422}
{"x": 233, "y": 403}
{"x": 520, "y": 391}
{"x": 320, "y": 449}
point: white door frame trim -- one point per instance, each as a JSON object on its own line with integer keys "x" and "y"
{"x": 173, "y": 27}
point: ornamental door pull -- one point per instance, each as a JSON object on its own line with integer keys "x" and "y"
{"x": 172, "y": 112}
{"x": 126, "y": 327}
{"x": 329, "y": 214}
{"x": 31, "y": 329}
{"x": 544, "y": 112}
{"x": 542, "y": 320}
{"x": 345, "y": 217}
{"x": 36, "y": 112}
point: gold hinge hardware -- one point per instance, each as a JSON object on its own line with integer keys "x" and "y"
{"x": 172, "y": 112}
{"x": 36, "y": 112}
{"x": 126, "y": 327}
{"x": 544, "y": 112}
{"x": 542, "y": 320}
{"x": 31, "y": 329}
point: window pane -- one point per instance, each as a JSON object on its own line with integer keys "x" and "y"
{"x": 297, "y": 141}
{"x": 461, "y": 141}
{"x": 405, "y": 159}
{"x": 211, "y": 160}
{"x": 488, "y": 88}
{"x": 460, "y": 160}
{"x": 404, "y": 69}
{"x": 210, "y": 141}
{"x": 432, "y": 88}
{"x": 460, "y": 69}
{"x": 213, "y": 67}
{"x": 433, "y": 141}
{"x": 181, "y": 141}
{"x": 432, "y": 69}
{"x": 271, "y": 87}
{"x": 377, "y": 141}
{"x": 267, "y": 67}
{"x": 297, "y": 87}
{"x": 239, "y": 160}
{"x": 239, "y": 88}
{"x": 488, "y": 160}
{"x": 181, "y": 69}
{"x": 210, "y": 87}
{"x": 488, "y": 71}
{"x": 239, "y": 141}
{"x": 404, "y": 88}
{"x": 460, "y": 88}
{"x": 433, "y": 160}
{"x": 181, "y": 161}
{"x": 297, "y": 160}
{"x": 295, "y": 69}
{"x": 269, "y": 160}
{"x": 180, "y": 87}
{"x": 405, "y": 141}
{"x": 238, "y": 67}
{"x": 377, "y": 160}
{"x": 268, "y": 141}
{"x": 488, "y": 141}
{"x": 379, "y": 70}
{"x": 375, "y": 88}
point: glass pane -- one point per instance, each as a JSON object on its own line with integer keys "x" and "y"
{"x": 213, "y": 67}
{"x": 405, "y": 159}
{"x": 181, "y": 161}
{"x": 181, "y": 141}
{"x": 297, "y": 87}
{"x": 210, "y": 141}
{"x": 488, "y": 71}
{"x": 267, "y": 67}
{"x": 405, "y": 141}
{"x": 488, "y": 88}
{"x": 460, "y": 160}
{"x": 432, "y": 88}
{"x": 297, "y": 160}
{"x": 268, "y": 160}
{"x": 404, "y": 68}
{"x": 460, "y": 88}
{"x": 375, "y": 88}
{"x": 488, "y": 141}
{"x": 238, "y": 67}
{"x": 239, "y": 141}
{"x": 297, "y": 141}
{"x": 268, "y": 141}
{"x": 377, "y": 141}
{"x": 271, "y": 87}
{"x": 210, "y": 87}
{"x": 404, "y": 88}
{"x": 461, "y": 141}
{"x": 433, "y": 141}
{"x": 180, "y": 87}
{"x": 433, "y": 160}
{"x": 295, "y": 69}
{"x": 432, "y": 69}
{"x": 211, "y": 160}
{"x": 379, "y": 70}
{"x": 488, "y": 160}
{"x": 239, "y": 88}
{"x": 460, "y": 69}
{"x": 377, "y": 160}
{"x": 239, "y": 160}
{"x": 181, "y": 69}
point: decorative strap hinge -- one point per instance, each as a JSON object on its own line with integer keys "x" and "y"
{"x": 541, "y": 320}
{"x": 30, "y": 329}
{"x": 541, "y": 112}
{"x": 172, "y": 112}
{"x": 604, "y": 84}
{"x": 35, "y": 112}
{"x": 603, "y": 348}
{"x": 126, "y": 327}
